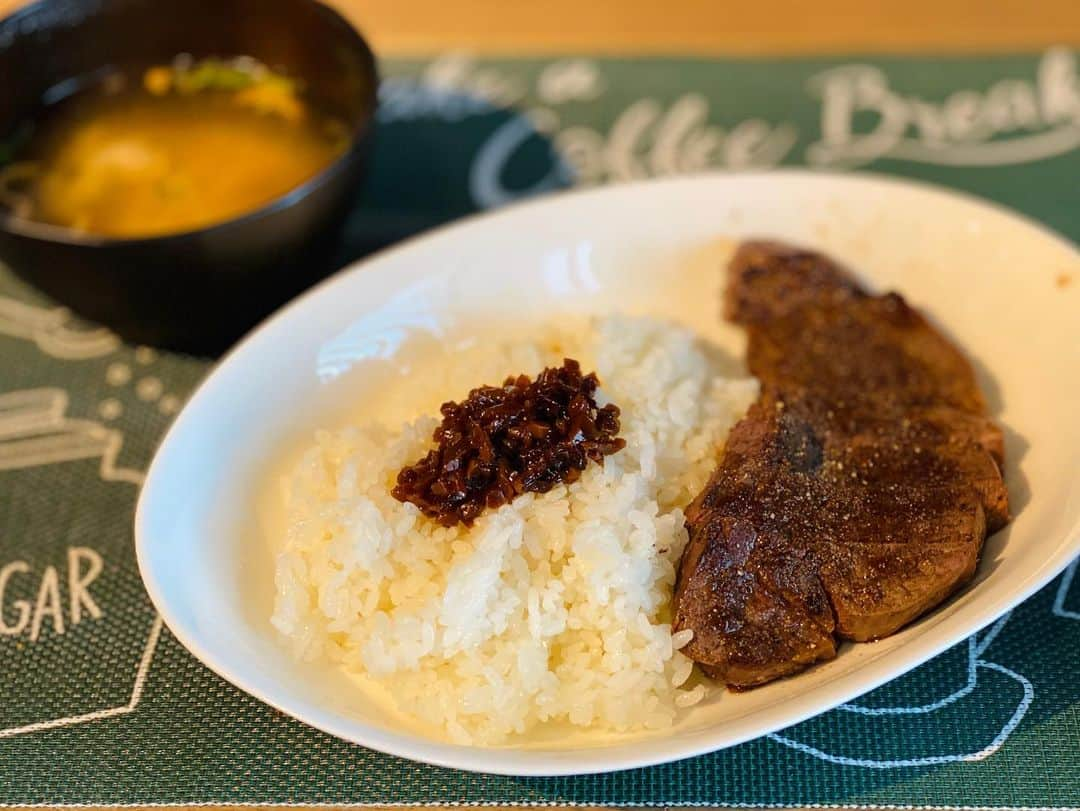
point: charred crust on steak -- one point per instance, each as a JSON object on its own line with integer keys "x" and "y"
{"x": 856, "y": 493}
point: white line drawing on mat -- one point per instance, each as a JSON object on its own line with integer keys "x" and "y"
{"x": 35, "y": 430}
{"x": 1063, "y": 592}
{"x": 977, "y": 646}
{"x": 97, "y": 715}
{"x": 50, "y": 329}
{"x": 975, "y": 650}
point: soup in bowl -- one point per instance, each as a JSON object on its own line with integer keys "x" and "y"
{"x": 176, "y": 169}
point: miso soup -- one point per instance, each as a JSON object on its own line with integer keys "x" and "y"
{"x": 174, "y": 149}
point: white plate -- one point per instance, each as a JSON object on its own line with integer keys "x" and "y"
{"x": 989, "y": 277}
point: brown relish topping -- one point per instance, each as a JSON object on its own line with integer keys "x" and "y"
{"x": 503, "y": 441}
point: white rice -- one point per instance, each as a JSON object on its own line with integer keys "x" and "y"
{"x": 553, "y": 607}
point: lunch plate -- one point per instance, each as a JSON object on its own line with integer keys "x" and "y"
{"x": 1004, "y": 288}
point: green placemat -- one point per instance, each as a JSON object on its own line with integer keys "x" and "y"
{"x": 99, "y": 704}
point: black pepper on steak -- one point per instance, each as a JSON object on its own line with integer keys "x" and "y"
{"x": 500, "y": 442}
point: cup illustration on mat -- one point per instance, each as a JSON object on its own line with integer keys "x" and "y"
{"x": 34, "y": 430}
{"x": 69, "y": 589}
{"x": 959, "y": 706}
{"x": 53, "y": 331}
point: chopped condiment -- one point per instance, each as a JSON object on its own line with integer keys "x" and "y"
{"x": 500, "y": 442}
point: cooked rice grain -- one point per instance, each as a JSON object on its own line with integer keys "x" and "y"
{"x": 555, "y": 606}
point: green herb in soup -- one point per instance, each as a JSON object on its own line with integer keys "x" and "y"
{"x": 190, "y": 145}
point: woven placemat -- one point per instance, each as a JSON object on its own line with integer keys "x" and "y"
{"x": 100, "y": 705}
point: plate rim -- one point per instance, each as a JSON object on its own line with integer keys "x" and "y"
{"x": 518, "y": 762}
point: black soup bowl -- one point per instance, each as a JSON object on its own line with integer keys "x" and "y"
{"x": 199, "y": 290}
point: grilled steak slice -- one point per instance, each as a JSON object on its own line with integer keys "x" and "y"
{"x": 855, "y": 494}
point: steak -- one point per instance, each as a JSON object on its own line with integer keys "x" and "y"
{"x": 856, "y": 493}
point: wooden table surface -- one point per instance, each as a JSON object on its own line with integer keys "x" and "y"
{"x": 401, "y": 27}
{"x": 710, "y": 26}
{"x": 716, "y": 26}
